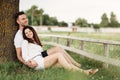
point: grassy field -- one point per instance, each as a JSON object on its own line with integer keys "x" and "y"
{"x": 17, "y": 71}
{"x": 101, "y": 36}
{"x": 90, "y": 47}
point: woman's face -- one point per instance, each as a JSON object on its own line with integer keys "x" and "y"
{"x": 29, "y": 33}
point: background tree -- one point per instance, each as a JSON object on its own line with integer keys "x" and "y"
{"x": 63, "y": 24}
{"x": 41, "y": 16}
{"x": 96, "y": 27}
{"x": 37, "y": 17}
{"x": 81, "y": 22}
{"x": 46, "y": 19}
{"x": 104, "y": 21}
{"x": 113, "y": 20}
{"x": 31, "y": 14}
{"x": 53, "y": 21}
{"x": 8, "y": 8}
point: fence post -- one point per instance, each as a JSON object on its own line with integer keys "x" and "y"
{"x": 58, "y": 39}
{"x": 68, "y": 42}
{"x": 52, "y": 39}
{"x": 82, "y": 45}
{"x": 106, "y": 54}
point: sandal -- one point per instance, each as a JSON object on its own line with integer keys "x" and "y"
{"x": 92, "y": 71}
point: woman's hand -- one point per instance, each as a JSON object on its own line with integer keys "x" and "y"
{"x": 31, "y": 64}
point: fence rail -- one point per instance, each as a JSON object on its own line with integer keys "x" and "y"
{"x": 105, "y": 58}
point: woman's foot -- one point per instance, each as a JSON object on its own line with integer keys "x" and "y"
{"x": 91, "y": 71}
{"x": 77, "y": 64}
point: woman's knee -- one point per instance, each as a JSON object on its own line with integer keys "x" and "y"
{"x": 58, "y": 48}
{"x": 59, "y": 54}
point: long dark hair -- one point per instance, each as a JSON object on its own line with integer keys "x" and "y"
{"x": 35, "y": 36}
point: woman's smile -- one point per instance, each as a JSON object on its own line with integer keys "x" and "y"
{"x": 28, "y": 33}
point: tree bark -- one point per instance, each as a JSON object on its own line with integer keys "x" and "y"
{"x": 8, "y": 8}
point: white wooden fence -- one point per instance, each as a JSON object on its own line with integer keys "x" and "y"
{"x": 105, "y": 58}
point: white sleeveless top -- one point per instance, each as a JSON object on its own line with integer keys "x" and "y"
{"x": 30, "y": 50}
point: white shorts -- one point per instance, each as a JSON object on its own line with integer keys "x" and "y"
{"x": 40, "y": 62}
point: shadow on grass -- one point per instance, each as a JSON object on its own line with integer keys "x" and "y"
{"x": 17, "y": 71}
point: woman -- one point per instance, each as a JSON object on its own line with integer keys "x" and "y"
{"x": 32, "y": 51}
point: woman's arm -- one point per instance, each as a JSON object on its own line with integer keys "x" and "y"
{"x": 25, "y": 56}
{"x": 33, "y": 62}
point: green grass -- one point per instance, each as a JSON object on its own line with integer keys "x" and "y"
{"x": 18, "y": 71}
{"x": 90, "y": 47}
{"x": 102, "y": 36}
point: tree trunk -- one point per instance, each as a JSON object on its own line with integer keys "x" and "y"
{"x": 8, "y": 8}
{"x": 41, "y": 21}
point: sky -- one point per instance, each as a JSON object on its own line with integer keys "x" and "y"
{"x": 70, "y": 10}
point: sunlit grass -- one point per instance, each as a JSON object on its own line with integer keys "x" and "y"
{"x": 18, "y": 71}
{"x": 90, "y": 47}
{"x": 102, "y": 36}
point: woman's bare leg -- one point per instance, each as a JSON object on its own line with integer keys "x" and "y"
{"x": 57, "y": 58}
{"x": 66, "y": 55}
{"x": 51, "y": 60}
{"x": 57, "y": 65}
